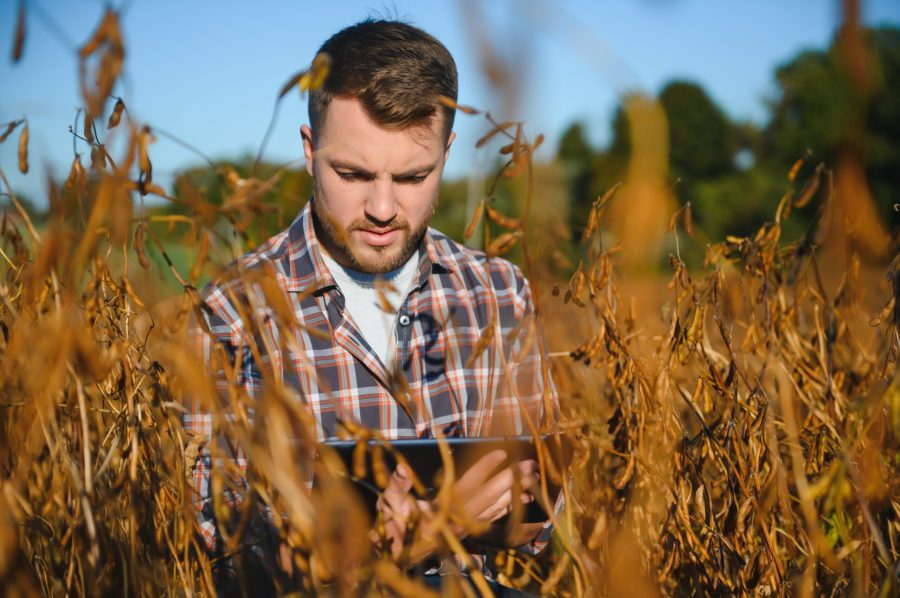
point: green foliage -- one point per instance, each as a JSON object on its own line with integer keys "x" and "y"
{"x": 276, "y": 206}
{"x": 815, "y": 106}
{"x": 578, "y": 162}
{"x": 821, "y": 109}
{"x": 453, "y": 207}
{"x": 739, "y": 203}
{"x": 701, "y": 140}
{"x": 883, "y": 125}
{"x": 735, "y": 173}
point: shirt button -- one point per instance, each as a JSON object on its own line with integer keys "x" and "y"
{"x": 404, "y": 320}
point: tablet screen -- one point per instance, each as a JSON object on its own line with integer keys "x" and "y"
{"x": 369, "y": 464}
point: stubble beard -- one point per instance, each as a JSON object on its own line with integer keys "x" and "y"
{"x": 378, "y": 260}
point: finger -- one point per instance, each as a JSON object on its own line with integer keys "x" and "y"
{"x": 529, "y": 466}
{"x": 499, "y": 509}
{"x": 484, "y": 467}
{"x": 503, "y": 504}
{"x": 506, "y": 480}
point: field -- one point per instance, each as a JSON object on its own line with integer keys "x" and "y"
{"x": 737, "y": 421}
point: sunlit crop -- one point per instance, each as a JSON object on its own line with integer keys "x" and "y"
{"x": 737, "y": 422}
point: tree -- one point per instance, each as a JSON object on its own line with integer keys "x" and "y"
{"x": 823, "y": 106}
{"x": 701, "y": 139}
{"x": 882, "y": 153}
{"x": 814, "y": 106}
{"x": 199, "y": 191}
{"x": 578, "y": 161}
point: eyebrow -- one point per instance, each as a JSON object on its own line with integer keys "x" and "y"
{"x": 417, "y": 171}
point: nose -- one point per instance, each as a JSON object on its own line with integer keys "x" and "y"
{"x": 381, "y": 205}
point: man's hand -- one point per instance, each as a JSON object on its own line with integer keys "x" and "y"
{"x": 397, "y": 506}
{"x": 482, "y": 495}
{"x": 486, "y": 499}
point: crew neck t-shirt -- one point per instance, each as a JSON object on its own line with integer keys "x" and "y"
{"x": 362, "y": 301}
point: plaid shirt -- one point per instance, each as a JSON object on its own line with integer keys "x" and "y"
{"x": 467, "y": 359}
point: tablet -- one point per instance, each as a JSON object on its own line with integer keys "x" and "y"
{"x": 368, "y": 464}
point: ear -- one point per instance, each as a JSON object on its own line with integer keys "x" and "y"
{"x": 449, "y": 143}
{"x": 307, "y": 135}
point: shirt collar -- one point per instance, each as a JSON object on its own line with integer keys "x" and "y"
{"x": 308, "y": 271}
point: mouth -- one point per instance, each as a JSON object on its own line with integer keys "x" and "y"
{"x": 379, "y": 237}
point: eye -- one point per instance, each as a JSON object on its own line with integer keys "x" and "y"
{"x": 351, "y": 176}
{"x": 411, "y": 180}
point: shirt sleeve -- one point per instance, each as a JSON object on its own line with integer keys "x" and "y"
{"x": 215, "y": 342}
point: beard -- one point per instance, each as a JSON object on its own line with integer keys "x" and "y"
{"x": 349, "y": 251}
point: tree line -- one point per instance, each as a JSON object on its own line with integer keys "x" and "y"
{"x": 734, "y": 173}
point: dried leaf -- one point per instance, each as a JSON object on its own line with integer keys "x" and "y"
{"x": 100, "y": 34}
{"x": 154, "y": 189}
{"x": 232, "y": 179}
{"x": 450, "y": 103}
{"x": 401, "y": 392}
{"x": 484, "y": 341}
{"x": 474, "y": 220}
{"x": 884, "y": 313}
{"x": 144, "y": 141}
{"x": 146, "y": 167}
{"x": 265, "y": 280}
{"x": 98, "y": 157}
{"x": 23, "y": 150}
{"x": 314, "y": 78}
{"x": 626, "y": 474}
{"x": 504, "y": 243}
{"x": 502, "y": 127}
{"x": 88, "y": 128}
{"x": 116, "y": 115}
{"x": 10, "y": 127}
{"x": 382, "y": 288}
{"x": 592, "y": 225}
{"x": 576, "y": 286}
{"x": 598, "y": 533}
{"x": 359, "y": 459}
{"x": 200, "y": 259}
{"x": 76, "y": 174}
{"x": 808, "y": 191}
{"x": 19, "y": 41}
{"x": 601, "y": 201}
{"x": 139, "y": 248}
{"x": 191, "y": 452}
{"x": 673, "y": 220}
{"x": 379, "y": 467}
{"x": 502, "y": 219}
{"x": 700, "y": 502}
{"x": 792, "y": 174}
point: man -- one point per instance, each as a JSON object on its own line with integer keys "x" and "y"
{"x": 395, "y": 327}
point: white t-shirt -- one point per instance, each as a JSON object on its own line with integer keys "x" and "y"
{"x": 362, "y": 301}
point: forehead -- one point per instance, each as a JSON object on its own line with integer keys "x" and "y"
{"x": 348, "y": 129}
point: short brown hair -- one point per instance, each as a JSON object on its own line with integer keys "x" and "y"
{"x": 396, "y": 70}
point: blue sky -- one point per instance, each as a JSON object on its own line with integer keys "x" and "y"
{"x": 209, "y": 70}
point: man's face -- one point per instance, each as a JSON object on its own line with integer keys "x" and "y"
{"x": 375, "y": 188}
